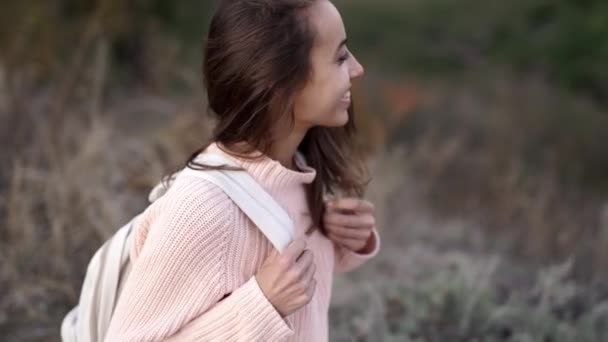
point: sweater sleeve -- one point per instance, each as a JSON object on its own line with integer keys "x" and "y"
{"x": 177, "y": 290}
{"x": 347, "y": 260}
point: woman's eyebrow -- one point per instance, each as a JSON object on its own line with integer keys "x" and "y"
{"x": 342, "y": 44}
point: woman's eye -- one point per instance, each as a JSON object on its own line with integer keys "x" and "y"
{"x": 343, "y": 58}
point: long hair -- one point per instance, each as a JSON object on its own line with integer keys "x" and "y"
{"x": 257, "y": 56}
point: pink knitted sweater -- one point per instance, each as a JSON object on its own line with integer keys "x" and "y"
{"x": 195, "y": 256}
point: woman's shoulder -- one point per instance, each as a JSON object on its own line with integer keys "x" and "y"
{"x": 193, "y": 194}
{"x": 192, "y": 209}
{"x": 189, "y": 203}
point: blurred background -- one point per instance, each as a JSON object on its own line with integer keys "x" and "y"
{"x": 485, "y": 125}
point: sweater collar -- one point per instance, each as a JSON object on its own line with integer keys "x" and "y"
{"x": 270, "y": 173}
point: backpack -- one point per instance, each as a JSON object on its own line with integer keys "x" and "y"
{"x": 110, "y": 265}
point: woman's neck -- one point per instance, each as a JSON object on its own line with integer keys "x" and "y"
{"x": 284, "y": 149}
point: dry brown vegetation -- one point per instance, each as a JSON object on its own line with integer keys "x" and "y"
{"x": 490, "y": 185}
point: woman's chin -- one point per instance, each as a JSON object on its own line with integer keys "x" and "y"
{"x": 339, "y": 119}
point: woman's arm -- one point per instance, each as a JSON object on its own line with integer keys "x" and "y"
{"x": 177, "y": 291}
{"x": 347, "y": 260}
{"x": 351, "y": 225}
{"x": 245, "y": 315}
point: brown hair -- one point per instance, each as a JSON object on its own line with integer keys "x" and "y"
{"x": 256, "y": 58}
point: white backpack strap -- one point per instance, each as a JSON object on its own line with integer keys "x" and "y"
{"x": 108, "y": 268}
{"x": 89, "y": 321}
{"x": 272, "y": 220}
{"x": 118, "y": 255}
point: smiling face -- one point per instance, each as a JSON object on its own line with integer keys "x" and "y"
{"x": 326, "y": 97}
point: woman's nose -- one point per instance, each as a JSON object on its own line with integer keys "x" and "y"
{"x": 356, "y": 69}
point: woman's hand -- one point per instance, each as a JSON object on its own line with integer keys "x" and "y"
{"x": 287, "y": 279}
{"x": 350, "y": 222}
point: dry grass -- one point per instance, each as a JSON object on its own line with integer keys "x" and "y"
{"x": 486, "y": 237}
{"x": 512, "y": 156}
{"x": 69, "y": 190}
{"x": 446, "y": 272}
{"x": 439, "y": 279}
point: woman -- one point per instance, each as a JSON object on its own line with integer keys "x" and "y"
{"x": 278, "y": 75}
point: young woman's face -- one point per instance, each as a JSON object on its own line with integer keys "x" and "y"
{"x": 326, "y": 97}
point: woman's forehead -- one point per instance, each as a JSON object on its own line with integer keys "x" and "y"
{"x": 327, "y": 22}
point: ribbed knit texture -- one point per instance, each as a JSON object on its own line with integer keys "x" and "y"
{"x": 195, "y": 256}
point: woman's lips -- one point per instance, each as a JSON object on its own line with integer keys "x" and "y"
{"x": 346, "y": 98}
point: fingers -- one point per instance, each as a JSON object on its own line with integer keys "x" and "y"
{"x": 350, "y": 204}
{"x": 305, "y": 259}
{"x": 304, "y": 265}
{"x": 304, "y": 270}
{"x": 352, "y": 244}
{"x": 293, "y": 251}
{"x": 309, "y": 273}
{"x": 311, "y": 289}
{"x": 349, "y": 233}
{"x": 353, "y": 221}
